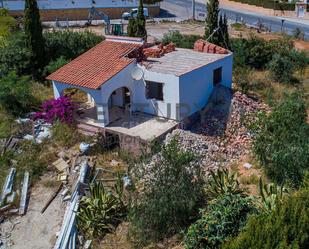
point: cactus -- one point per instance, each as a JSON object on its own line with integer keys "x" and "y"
{"x": 271, "y": 194}
{"x": 223, "y": 182}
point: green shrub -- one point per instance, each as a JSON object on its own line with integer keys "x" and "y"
{"x": 15, "y": 56}
{"x": 180, "y": 40}
{"x": 299, "y": 59}
{"x": 68, "y": 44}
{"x": 241, "y": 78}
{"x": 257, "y": 52}
{"x": 222, "y": 218}
{"x": 282, "y": 144}
{"x": 281, "y": 69}
{"x": 171, "y": 194}
{"x": 66, "y": 135}
{"x": 15, "y": 93}
{"x": 102, "y": 211}
{"x": 285, "y": 228}
{"x": 7, "y": 25}
{"x": 55, "y": 65}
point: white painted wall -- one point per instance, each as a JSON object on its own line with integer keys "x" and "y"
{"x": 69, "y": 4}
{"x": 196, "y": 86}
{"x": 182, "y": 96}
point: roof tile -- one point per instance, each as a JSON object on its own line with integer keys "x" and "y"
{"x": 97, "y": 65}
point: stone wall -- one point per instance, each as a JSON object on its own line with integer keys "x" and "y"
{"x": 82, "y": 14}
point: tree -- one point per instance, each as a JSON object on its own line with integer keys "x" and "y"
{"x": 282, "y": 144}
{"x": 137, "y": 26}
{"x": 15, "y": 93}
{"x": 212, "y": 21}
{"x": 224, "y": 40}
{"x": 34, "y": 36}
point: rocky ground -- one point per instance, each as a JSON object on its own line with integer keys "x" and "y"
{"x": 222, "y": 137}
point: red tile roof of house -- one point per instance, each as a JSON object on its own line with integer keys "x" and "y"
{"x": 97, "y": 65}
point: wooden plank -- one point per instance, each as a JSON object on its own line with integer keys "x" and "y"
{"x": 52, "y": 198}
{"x": 24, "y": 194}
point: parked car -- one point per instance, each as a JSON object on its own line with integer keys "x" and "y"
{"x": 133, "y": 13}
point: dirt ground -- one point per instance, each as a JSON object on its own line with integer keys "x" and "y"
{"x": 35, "y": 230}
{"x": 156, "y": 31}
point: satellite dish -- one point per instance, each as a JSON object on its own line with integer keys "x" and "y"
{"x": 137, "y": 73}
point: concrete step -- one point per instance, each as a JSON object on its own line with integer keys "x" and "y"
{"x": 88, "y": 130}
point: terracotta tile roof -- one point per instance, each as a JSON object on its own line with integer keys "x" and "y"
{"x": 96, "y": 66}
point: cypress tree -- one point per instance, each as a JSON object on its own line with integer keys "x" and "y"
{"x": 34, "y": 36}
{"x": 137, "y": 26}
{"x": 224, "y": 40}
{"x": 212, "y": 21}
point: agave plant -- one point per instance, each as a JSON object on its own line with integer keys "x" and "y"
{"x": 102, "y": 211}
{"x": 223, "y": 182}
{"x": 271, "y": 194}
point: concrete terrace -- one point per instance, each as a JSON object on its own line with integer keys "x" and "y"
{"x": 181, "y": 61}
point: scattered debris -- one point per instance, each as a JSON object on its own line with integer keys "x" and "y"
{"x": 8, "y": 144}
{"x": 87, "y": 244}
{"x": 114, "y": 163}
{"x": 84, "y": 147}
{"x": 247, "y": 165}
{"x": 60, "y": 165}
{"x": 68, "y": 234}
{"x": 8, "y": 185}
{"x": 24, "y": 194}
{"x": 52, "y": 198}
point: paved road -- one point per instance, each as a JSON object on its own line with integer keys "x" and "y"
{"x": 182, "y": 9}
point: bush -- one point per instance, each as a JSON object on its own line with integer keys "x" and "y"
{"x": 180, "y": 40}
{"x": 7, "y": 25}
{"x": 282, "y": 144}
{"x": 15, "y": 94}
{"x": 68, "y": 44}
{"x": 223, "y": 218}
{"x": 257, "y": 52}
{"x": 285, "y": 228}
{"x": 15, "y": 56}
{"x": 57, "y": 110}
{"x": 281, "y": 69}
{"x": 102, "y": 211}
{"x": 172, "y": 193}
{"x": 55, "y": 65}
{"x": 241, "y": 77}
{"x": 65, "y": 135}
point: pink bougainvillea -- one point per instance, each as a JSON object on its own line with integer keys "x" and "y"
{"x": 61, "y": 109}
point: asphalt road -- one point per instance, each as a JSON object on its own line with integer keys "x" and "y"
{"x": 182, "y": 9}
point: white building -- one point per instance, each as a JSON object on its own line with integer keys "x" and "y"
{"x": 116, "y": 76}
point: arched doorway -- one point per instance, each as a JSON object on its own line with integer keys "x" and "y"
{"x": 119, "y": 104}
{"x": 87, "y": 109}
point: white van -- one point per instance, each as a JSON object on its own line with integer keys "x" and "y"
{"x": 133, "y": 13}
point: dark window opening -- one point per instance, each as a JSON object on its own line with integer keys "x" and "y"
{"x": 217, "y": 76}
{"x": 154, "y": 90}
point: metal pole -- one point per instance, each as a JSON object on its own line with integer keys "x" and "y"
{"x": 193, "y": 9}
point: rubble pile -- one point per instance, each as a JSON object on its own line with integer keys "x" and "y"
{"x": 222, "y": 138}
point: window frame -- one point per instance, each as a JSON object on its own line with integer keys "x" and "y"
{"x": 147, "y": 90}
